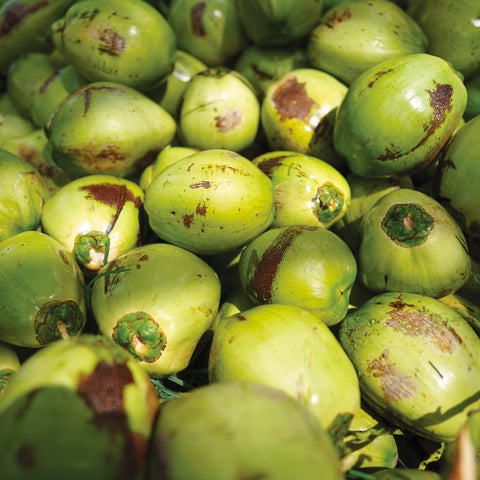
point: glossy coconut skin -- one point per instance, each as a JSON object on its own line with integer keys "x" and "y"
{"x": 309, "y": 267}
{"x": 87, "y": 409}
{"x": 257, "y": 422}
{"x": 97, "y": 218}
{"x": 289, "y": 348}
{"x": 32, "y": 301}
{"x": 402, "y": 238}
{"x": 211, "y": 202}
{"x": 88, "y": 135}
{"x": 397, "y": 115}
{"x": 117, "y": 41}
{"x": 457, "y": 176}
{"x": 417, "y": 361}
{"x": 156, "y": 300}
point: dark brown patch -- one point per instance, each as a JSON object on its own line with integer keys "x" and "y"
{"x": 143, "y": 258}
{"x": 201, "y": 209}
{"x": 395, "y": 385}
{"x": 15, "y": 13}
{"x": 187, "y": 220}
{"x": 229, "y": 120}
{"x": 102, "y": 161}
{"x": 196, "y": 14}
{"x": 377, "y": 76}
{"x": 111, "y": 42}
{"x": 291, "y": 100}
{"x": 265, "y": 268}
{"x": 268, "y": 165}
{"x": 202, "y": 184}
{"x": 90, "y": 16}
{"x": 398, "y": 304}
{"x": 337, "y": 18}
{"x": 26, "y": 456}
{"x": 113, "y": 195}
{"x": 103, "y": 390}
{"x": 418, "y": 324}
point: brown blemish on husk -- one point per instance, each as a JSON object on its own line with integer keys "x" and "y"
{"x": 268, "y": 165}
{"x": 90, "y": 16}
{"x": 88, "y": 91}
{"x": 110, "y": 42}
{"x": 265, "y": 268}
{"x": 187, "y": 220}
{"x": 201, "y": 209}
{"x": 202, "y": 184}
{"x": 64, "y": 258}
{"x": 337, "y": 18}
{"x": 103, "y": 391}
{"x": 440, "y": 101}
{"x": 15, "y": 13}
{"x": 395, "y": 385}
{"x": 50, "y": 79}
{"x": 103, "y": 160}
{"x": 229, "y": 120}
{"x": 196, "y": 14}
{"x": 291, "y": 100}
{"x": 416, "y": 323}
{"x": 112, "y": 195}
{"x": 263, "y": 75}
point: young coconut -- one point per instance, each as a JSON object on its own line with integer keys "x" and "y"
{"x": 308, "y": 191}
{"x": 219, "y": 109}
{"x": 409, "y": 242}
{"x": 156, "y": 301}
{"x": 42, "y": 291}
{"x": 88, "y": 136}
{"x": 96, "y": 218}
{"x": 417, "y": 362}
{"x": 121, "y": 41}
{"x": 310, "y": 267}
{"x": 288, "y": 348}
{"x": 239, "y": 429}
{"x": 78, "y": 408}
{"x": 211, "y": 202}
{"x": 398, "y": 114}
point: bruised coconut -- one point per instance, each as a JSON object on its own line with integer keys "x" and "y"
{"x": 78, "y": 408}
{"x": 97, "y": 218}
{"x": 417, "y": 362}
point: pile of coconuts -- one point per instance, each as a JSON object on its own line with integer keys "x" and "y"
{"x": 240, "y": 239}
